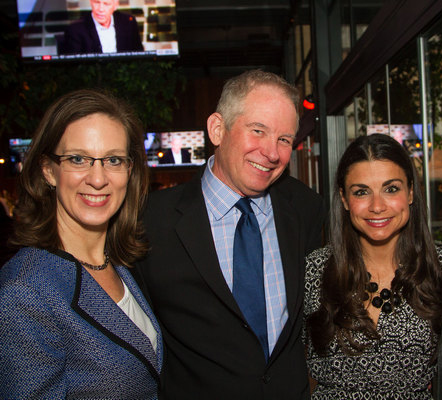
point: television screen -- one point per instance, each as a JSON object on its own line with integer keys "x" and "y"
{"x": 175, "y": 149}
{"x": 61, "y": 30}
{"x": 408, "y": 135}
{"x": 17, "y": 152}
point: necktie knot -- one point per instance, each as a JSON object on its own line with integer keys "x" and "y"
{"x": 243, "y": 205}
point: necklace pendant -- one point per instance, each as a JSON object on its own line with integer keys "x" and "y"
{"x": 372, "y": 287}
{"x": 377, "y": 302}
{"x": 387, "y": 308}
{"x": 385, "y": 294}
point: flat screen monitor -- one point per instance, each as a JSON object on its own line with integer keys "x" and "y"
{"x": 175, "y": 149}
{"x": 398, "y": 132}
{"x": 63, "y": 30}
{"x": 408, "y": 135}
{"x": 17, "y": 152}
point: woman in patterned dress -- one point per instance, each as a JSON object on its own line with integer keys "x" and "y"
{"x": 373, "y": 300}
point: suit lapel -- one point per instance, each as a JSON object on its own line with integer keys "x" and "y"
{"x": 95, "y": 306}
{"x": 287, "y": 225}
{"x": 195, "y": 233}
{"x": 93, "y": 34}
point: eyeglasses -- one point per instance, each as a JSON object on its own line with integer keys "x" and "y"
{"x": 75, "y": 162}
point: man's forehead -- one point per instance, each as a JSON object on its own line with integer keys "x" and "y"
{"x": 105, "y": 2}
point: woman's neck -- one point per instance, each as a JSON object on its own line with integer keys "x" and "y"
{"x": 380, "y": 260}
{"x": 84, "y": 244}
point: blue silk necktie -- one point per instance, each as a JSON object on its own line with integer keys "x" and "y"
{"x": 248, "y": 276}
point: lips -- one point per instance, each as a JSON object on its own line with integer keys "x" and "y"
{"x": 378, "y": 222}
{"x": 258, "y": 166}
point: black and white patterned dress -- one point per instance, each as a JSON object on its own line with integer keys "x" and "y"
{"x": 396, "y": 367}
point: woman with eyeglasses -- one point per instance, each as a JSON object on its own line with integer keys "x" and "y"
{"x": 74, "y": 323}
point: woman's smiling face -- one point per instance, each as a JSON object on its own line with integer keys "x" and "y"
{"x": 88, "y": 199}
{"x": 377, "y": 195}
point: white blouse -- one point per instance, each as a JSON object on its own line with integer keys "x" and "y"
{"x": 133, "y": 310}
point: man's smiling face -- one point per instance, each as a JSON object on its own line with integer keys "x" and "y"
{"x": 256, "y": 150}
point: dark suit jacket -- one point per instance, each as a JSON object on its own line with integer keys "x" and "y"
{"x": 211, "y": 352}
{"x": 82, "y": 37}
{"x": 168, "y": 157}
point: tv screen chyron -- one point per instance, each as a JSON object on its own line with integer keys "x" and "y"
{"x": 45, "y": 35}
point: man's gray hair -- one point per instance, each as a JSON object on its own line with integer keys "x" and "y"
{"x": 230, "y": 104}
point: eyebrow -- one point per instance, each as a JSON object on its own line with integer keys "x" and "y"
{"x": 83, "y": 151}
{"x": 261, "y": 125}
{"x": 386, "y": 183}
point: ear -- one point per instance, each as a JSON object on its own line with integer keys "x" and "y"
{"x": 343, "y": 199}
{"x": 48, "y": 171}
{"x": 215, "y": 128}
{"x": 410, "y": 195}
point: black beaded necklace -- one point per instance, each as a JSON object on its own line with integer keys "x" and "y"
{"x": 97, "y": 267}
{"x": 385, "y": 299}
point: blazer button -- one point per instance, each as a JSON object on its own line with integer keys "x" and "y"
{"x": 246, "y": 326}
{"x": 266, "y": 379}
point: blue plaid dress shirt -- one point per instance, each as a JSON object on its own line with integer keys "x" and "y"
{"x": 223, "y": 216}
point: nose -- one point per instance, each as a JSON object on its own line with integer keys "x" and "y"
{"x": 269, "y": 148}
{"x": 96, "y": 175}
{"x": 377, "y": 204}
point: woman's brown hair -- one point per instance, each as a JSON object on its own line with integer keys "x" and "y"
{"x": 35, "y": 213}
{"x": 419, "y": 279}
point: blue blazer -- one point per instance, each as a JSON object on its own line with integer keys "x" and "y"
{"x": 62, "y": 336}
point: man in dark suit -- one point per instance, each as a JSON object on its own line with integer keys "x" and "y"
{"x": 103, "y": 31}
{"x": 176, "y": 154}
{"x": 212, "y": 353}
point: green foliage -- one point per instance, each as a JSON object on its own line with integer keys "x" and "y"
{"x": 151, "y": 87}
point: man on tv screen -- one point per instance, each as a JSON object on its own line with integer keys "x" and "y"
{"x": 105, "y": 30}
{"x": 176, "y": 154}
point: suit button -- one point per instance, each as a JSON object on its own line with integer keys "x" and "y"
{"x": 265, "y": 379}
{"x": 245, "y": 326}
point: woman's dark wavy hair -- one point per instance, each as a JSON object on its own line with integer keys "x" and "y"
{"x": 36, "y": 222}
{"x": 342, "y": 312}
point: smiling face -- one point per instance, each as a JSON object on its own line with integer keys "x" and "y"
{"x": 102, "y": 11}
{"x": 377, "y": 196}
{"x": 88, "y": 199}
{"x": 256, "y": 150}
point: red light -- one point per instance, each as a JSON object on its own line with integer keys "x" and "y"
{"x": 47, "y": 57}
{"x": 309, "y": 105}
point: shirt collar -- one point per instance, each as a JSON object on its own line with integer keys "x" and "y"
{"x": 100, "y": 27}
{"x": 220, "y": 198}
